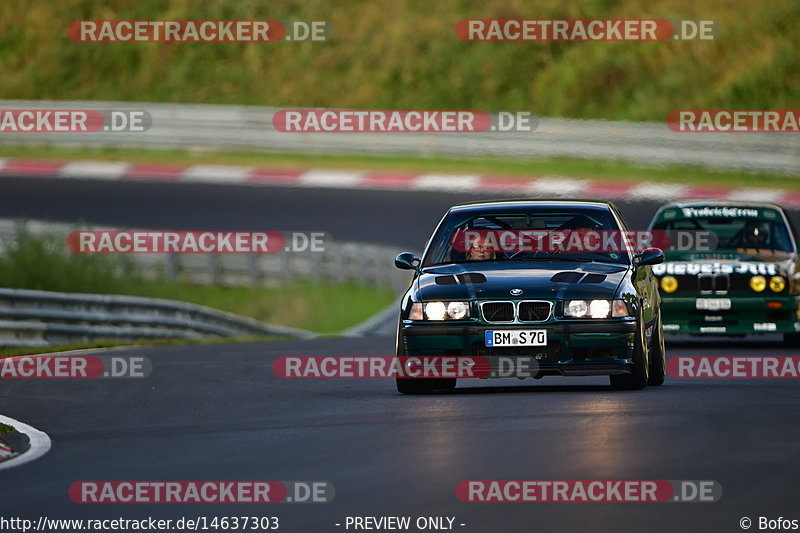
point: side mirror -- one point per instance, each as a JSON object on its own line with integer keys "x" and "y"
{"x": 650, "y": 256}
{"x": 406, "y": 261}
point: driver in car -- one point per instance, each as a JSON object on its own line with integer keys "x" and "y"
{"x": 754, "y": 239}
{"x": 755, "y": 234}
{"x": 479, "y": 251}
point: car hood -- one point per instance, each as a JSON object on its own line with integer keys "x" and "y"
{"x": 540, "y": 279}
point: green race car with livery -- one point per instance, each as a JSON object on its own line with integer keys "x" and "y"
{"x": 731, "y": 269}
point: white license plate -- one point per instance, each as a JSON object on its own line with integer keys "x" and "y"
{"x": 517, "y": 337}
{"x": 713, "y": 304}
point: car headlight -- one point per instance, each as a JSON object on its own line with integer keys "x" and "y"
{"x": 443, "y": 311}
{"x": 576, "y": 308}
{"x": 599, "y": 308}
{"x": 435, "y": 311}
{"x": 758, "y": 283}
{"x": 594, "y": 308}
{"x": 777, "y": 283}
{"x": 457, "y": 310}
{"x": 669, "y": 284}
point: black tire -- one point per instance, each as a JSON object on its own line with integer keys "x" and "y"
{"x": 639, "y": 375}
{"x": 791, "y": 339}
{"x": 414, "y": 385}
{"x": 657, "y": 355}
{"x": 445, "y": 384}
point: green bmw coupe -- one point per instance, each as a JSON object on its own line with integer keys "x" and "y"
{"x": 548, "y": 283}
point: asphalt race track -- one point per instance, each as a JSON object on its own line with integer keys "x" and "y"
{"x": 392, "y": 217}
{"x": 217, "y": 412}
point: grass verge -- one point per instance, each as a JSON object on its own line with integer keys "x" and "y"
{"x": 605, "y": 170}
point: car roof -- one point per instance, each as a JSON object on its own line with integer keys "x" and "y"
{"x": 510, "y": 205}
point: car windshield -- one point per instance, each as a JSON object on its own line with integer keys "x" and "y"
{"x": 529, "y": 235}
{"x": 739, "y": 229}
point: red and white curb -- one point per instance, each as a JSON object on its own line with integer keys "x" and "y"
{"x": 546, "y": 186}
{"x": 40, "y": 444}
{"x": 5, "y": 452}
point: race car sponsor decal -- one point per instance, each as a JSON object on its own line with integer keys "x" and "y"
{"x": 765, "y": 326}
{"x": 731, "y": 212}
{"x": 693, "y": 269}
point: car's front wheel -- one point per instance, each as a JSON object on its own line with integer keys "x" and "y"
{"x": 419, "y": 385}
{"x": 640, "y": 372}
{"x": 657, "y": 355}
{"x": 791, "y": 339}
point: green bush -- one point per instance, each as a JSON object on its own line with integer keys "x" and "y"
{"x": 43, "y": 262}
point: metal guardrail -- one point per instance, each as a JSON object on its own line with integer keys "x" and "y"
{"x": 40, "y": 318}
{"x": 216, "y": 127}
{"x": 341, "y": 262}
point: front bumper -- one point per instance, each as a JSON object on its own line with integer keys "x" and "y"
{"x": 747, "y": 315}
{"x": 573, "y": 349}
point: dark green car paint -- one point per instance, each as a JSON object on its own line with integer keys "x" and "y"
{"x": 576, "y": 346}
{"x": 749, "y": 311}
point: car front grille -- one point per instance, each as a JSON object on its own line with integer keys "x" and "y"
{"x": 498, "y": 311}
{"x": 533, "y": 311}
{"x": 505, "y": 312}
{"x": 716, "y": 283}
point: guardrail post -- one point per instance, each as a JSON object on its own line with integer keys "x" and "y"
{"x": 214, "y": 269}
{"x": 286, "y": 268}
{"x": 252, "y": 269}
{"x": 172, "y": 267}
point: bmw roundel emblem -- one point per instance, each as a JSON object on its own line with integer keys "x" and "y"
{"x": 516, "y": 292}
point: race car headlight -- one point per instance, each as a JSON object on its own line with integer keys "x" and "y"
{"x": 595, "y": 308}
{"x": 758, "y": 283}
{"x": 576, "y": 309}
{"x": 435, "y": 311}
{"x": 599, "y": 308}
{"x": 443, "y": 311}
{"x": 669, "y": 284}
{"x": 457, "y": 310}
{"x": 777, "y": 283}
